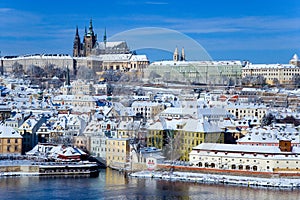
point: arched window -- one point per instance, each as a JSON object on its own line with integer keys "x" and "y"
{"x": 254, "y": 168}
{"x": 240, "y": 167}
{"x": 247, "y": 167}
{"x": 206, "y": 165}
{"x": 233, "y": 167}
{"x": 200, "y": 164}
{"x": 213, "y": 165}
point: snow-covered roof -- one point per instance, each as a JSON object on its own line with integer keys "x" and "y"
{"x": 111, "y": 44}
{"x": 139, "y": 58}
{"x": 203, "y": 126}
{"x": 114, "y": 57}
{"x": 242, "y": 148}
{"x": 38, "y": 56}
{"x": 207, "y": 112}
{"x": 269, "y": 66}
{"x": 246, "y": 106}
{"x": 270, "y": 135}
{"x": 9, "y": 132}
{"x": 144, "y": 103}
{"x": 199, "y": 63}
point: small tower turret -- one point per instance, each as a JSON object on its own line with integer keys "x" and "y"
{"x": 176, "y": 55}
{"x": 182, "y": 57}
{"x": 295, "y": 60}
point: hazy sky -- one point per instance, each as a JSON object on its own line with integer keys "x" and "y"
{"x": 259, "y": 31}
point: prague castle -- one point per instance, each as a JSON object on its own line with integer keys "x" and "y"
{"x": 90, "y": 46}
{"x": 91, "y": 54}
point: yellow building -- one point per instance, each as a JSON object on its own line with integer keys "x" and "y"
{"x": 273, "y": 73}
{"x": 181, "y": 135}
{"x": 10, "y": 141}
{"x": 117, "y": 152}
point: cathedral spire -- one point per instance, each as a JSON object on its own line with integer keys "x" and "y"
{"x": 76, "y": 44}
{"x": 77, "y": 34}
{"x": 91, "y": 31}
{"x": 104, "y": 37}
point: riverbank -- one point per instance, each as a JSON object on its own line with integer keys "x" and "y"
{"x": 274, "y": 182}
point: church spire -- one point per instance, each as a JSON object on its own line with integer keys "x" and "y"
{"x": 104, "y": 37}
{"x": 91, "y": 31}
{"x": 76, "y": 44}
{"x": 77, "y": 34}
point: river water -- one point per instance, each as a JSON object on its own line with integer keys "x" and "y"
{"x": 114, "y": 185}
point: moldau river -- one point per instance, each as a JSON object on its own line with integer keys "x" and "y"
{"x": 114, "y": 185}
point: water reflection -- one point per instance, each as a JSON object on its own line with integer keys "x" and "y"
{"x": 114, "y": 185}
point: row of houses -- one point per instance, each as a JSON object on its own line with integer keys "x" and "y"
{"x": 117, "y": 133}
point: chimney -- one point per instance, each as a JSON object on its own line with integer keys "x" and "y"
{"x": 285, "y": 145}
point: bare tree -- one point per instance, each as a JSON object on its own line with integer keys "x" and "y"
{"x": 17, "y": 69}
{"x": 172, "y": 143}
{"x": 85, "y": 73}
{"x": 296, "y": 80}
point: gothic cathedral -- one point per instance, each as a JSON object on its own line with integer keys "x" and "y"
{"x": 89, "y": 42}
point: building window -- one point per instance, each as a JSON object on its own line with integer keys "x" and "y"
{"x": 254, "y": 168}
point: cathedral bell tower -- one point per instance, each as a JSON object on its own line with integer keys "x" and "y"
{"x": 76, "y": 45}
{"x": 90, "y": 40}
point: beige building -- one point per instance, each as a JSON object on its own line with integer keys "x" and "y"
{"x": 121, "y": 62}
{"x": 78, "y": 102}
{"x": 79, "y": 87}
{"x": 273, "y": 73}
{"x": 246, "y": 158}
{"x": 10, "y": 141}
{"x": 41, "y": 60}
{"x": 117, "y": 152}
{"x": 247, "y": 110}
{"x": 147, "y": 109}
{"x": 98, "y": 63}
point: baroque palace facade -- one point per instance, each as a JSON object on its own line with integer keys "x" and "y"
{"x": 98, "y": 56}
